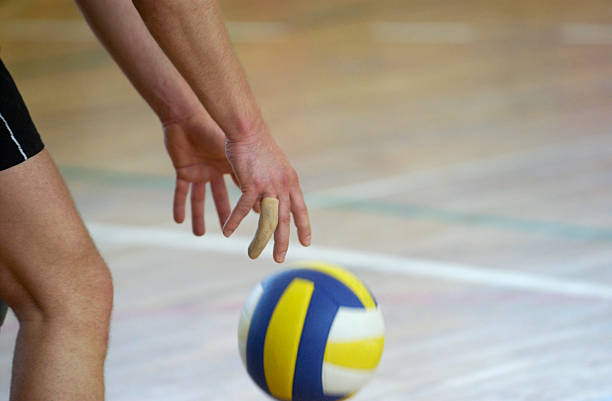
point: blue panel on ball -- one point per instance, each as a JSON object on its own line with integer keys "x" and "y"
{"x": 307, "y": 382}
{"x": 258, "y": 328}
{"x": 339, "y": 292}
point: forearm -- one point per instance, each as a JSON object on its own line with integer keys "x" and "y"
{"x": 193, "y": 35}
{"x": 122, "y": 31}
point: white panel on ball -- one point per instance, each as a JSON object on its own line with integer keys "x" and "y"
{"x": 353, "y": 324}
{"x": 245, "y": 319}
{"x": 339, "y": 380}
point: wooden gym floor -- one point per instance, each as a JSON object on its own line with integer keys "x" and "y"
{"x": 457, "y": 155}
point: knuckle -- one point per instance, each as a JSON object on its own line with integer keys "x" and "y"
{"x": 284, "y": 180}
{"x": 281, "y": 243}
{"x": 300, "y": 208}
{"x": 243, "y": 208}
{"x": 248, "y": 188}
{"x": 258, "y": 184}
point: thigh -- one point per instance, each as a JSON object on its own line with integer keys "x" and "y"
{"x": 45, "y": 248}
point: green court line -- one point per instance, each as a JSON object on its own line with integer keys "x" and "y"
{"x": 507, "y": 223}
{"x": 73, "y": 61}
{"x": 406, "y": 211}
{"x": 115, "y": 178}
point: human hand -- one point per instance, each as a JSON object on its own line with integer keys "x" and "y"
{"x": 197, "y": 149}
{"x": 263, "y": 171}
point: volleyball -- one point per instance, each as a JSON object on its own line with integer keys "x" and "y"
{"x": 311, "y": 333}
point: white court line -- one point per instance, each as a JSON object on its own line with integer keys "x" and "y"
{"x": 485, "y": 374}
{"x": 587, "y": 34}
{"x": 424, "y": 32}
{"x": 160, "y": 237}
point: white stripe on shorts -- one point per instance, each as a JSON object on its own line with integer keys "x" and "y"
{"x": 25, "y": 157}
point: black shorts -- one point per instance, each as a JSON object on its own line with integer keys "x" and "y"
{"x": 19, "y": 139}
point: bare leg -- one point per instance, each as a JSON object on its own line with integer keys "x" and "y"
{"x": 57, "y": 284}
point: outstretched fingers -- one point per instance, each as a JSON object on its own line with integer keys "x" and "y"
{"x": 198, "y": 193}
{"x": 281, "y": 235}
{"x": 180, "y": 198}
{"x": 300, "y": 217}
{"x": 243, "y": 207}
{"x": 275, "y": 217}
{"x": 222, "y": 202}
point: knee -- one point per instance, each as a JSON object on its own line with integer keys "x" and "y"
{"x": 85, "y": 303}
{"x": 77, "y": 299}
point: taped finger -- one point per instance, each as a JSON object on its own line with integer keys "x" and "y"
{"x": 268, "y": 220}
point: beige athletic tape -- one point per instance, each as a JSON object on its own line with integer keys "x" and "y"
{"x": 268, "y": 220}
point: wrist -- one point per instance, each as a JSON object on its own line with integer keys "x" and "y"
{"x": 199, "y": 125}
{"x": 247, "y": 130}
{"x": 177, "y": 106}
{"x": 177, "y": 115}
{"x": 181, "y": 113}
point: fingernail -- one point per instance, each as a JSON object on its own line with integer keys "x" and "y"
{"x": 227, "y": 233}
{"x": 281, "y": 257}
{"x": 307, "y": 240}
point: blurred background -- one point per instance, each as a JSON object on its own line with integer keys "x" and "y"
{"x": 457, "y": 155}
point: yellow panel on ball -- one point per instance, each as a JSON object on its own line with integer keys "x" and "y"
{"x": 347, "y": 278}
{"x": 283, "y": 337}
